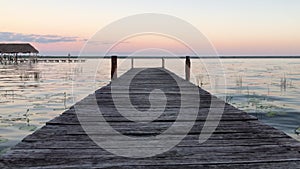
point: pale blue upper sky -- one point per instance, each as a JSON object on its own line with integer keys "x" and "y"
{"x": 235, "y": 27}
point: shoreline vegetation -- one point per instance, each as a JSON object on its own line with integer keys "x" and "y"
{"x": 171, "y": 57}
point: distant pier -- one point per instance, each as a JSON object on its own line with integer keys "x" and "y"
{"x": 22, "y": 60}
{"x": 16, "y": 53}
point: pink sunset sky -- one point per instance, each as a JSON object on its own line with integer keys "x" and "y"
{"x": 234, "y": 27}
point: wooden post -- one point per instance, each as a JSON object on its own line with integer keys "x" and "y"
{"x": 132, "y": 63}
{"x": 162, "y": 62}
{"x": 114, "y": 65}
{"x": 16, "y": 58}
{"x": 187, "y": 68}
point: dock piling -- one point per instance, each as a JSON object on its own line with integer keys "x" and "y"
{"x": 187, "y": 68}
{"x": 114, "y": 66}
{"x": 162, "y": 62}
{"x": 132, "y": 63}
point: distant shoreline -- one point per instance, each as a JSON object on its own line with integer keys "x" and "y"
{"x": 172, "y": 57}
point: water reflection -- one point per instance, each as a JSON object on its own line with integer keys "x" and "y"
{"x": 32, "y": 94}
{"x": 267, "y": 89}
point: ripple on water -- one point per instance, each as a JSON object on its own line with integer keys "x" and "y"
{"x": 45, "y": 89}
{"x": 255, "y": 85}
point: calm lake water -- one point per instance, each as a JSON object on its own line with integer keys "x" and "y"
{"x": 34, "y": 94}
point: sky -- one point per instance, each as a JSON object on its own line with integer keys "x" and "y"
{"x": 234, "y": 27}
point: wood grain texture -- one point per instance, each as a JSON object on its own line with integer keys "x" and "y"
{"x": 239, "y": 141}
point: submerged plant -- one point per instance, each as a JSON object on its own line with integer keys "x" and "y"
{"x": 27, "y": 117}
{"x": 239, "y": 81}
{"x": 229, "y": 99}
{"x": 3, "y": 140}
{"x": 27, "y": 126}
{"x": 271, "y": 114}
{"x": 283, "y": 83}
{"x": 65, "y": 100}
{"x": 199, "y": 80}
{"x": 297, "y": 131}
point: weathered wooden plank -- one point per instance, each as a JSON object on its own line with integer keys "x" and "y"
{"x": 239, "y": 141}
{"x": 54, "y": 143}
{"x": 110, "y": 161}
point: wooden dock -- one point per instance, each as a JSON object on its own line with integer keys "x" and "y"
{"x": 240, "y": 140}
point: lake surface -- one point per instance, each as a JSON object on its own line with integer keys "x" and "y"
{"x": 32, "y": 94}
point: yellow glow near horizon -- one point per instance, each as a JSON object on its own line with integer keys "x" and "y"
{"x": 234, "y": 27}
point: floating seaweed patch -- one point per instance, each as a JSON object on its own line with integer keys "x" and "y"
{"x": 28, "y": 128}
{"x": 3, "y": 140}
{"x": 297, "y": 131}
{"x": 41, "y": 113}
{"x": 271, "y": 114}
{"x": 38, "y": 106}
{"x": 4, "y": 124}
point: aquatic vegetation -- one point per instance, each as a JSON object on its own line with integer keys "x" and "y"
{"x": 41, "y": 112}
{"x": 65, "y": 100}
{"x": 27, "y": 117}
{"x": 38, "y": 106}
{"x": 58, "y": 109}
{"x": 229, "y": 99}
{"x": 2, "y": 124}
{"x": 259, "y": 95}
{"x": 200, "y": 79}
{"x": 268, "y": 106}
{"x": 283, "y": 83}
{"x": 254, "y": 101}
{"x": 248, "y": 93}
{"x": 12, "y": 121}
{"x": 239, "y": 81}
{"x": 271, "y": 114}
{"x": 3, "y": 140}
{"x": 36, "y": 76}
{"x": 259, "y": 106}
{"x": 28, "y": 128}
{"x": 297, "y": 131}
{"x": 286, "y": 83}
